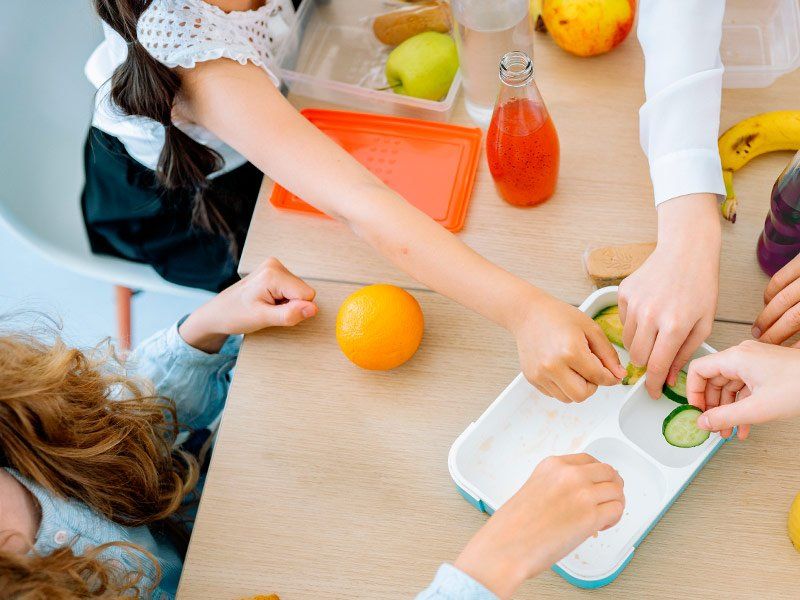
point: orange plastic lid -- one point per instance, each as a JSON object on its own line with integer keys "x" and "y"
{"x": 431, "y": 165}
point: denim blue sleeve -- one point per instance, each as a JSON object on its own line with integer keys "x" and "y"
{"x": 196, "y": 381}
{"x": 452, "y": 584}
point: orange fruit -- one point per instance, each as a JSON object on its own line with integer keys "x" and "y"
{"x": 379, "y": 327}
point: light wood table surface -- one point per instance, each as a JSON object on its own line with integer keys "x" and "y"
{"x": 604, "y": 194}
{"x": 330, "y": 482}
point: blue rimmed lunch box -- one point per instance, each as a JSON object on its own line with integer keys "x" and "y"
{"x": 620, "y": 425}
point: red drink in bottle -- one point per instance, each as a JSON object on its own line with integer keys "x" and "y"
{"x": 522, "y": 143}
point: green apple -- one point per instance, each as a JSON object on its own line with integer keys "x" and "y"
{"x": 423, "y": 66}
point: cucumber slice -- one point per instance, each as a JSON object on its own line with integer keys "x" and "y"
{"x": 680, "y": 427}
{"x": 677, "y": 392}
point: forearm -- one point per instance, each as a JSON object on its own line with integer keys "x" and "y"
{"x": 241, "y": 106}
{"x": 430, "y": 254}
{"x": 679, "y": 122}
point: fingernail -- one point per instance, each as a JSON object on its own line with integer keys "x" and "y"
{"x": 756, "y": 332}
{"x": 702, "y": 422}
{"x": 309, "y": 311}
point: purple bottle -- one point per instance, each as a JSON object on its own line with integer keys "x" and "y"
{"x": 780, "y": 241}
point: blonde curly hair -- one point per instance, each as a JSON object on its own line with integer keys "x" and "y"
{"x": 74, "y": 423}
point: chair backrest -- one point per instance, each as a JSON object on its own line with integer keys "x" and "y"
{"x": 45, "y": 109}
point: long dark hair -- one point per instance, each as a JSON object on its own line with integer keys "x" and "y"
{"x": 142, "y": 86}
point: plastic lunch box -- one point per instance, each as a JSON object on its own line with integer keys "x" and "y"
{"x": 760, "y": 41}
{"x": 332, "y": 55}
{"x": 620, "y": 425}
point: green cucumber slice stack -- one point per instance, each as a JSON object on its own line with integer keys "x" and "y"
{"x": 680, "y": 427}
{"x": 677, "y": 392}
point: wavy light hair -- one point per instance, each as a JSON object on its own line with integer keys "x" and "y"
{"x": 75, "y": 424}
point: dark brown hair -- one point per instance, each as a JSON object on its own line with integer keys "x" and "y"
{"x": 142, "y": 86}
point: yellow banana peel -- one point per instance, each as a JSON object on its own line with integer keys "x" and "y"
{"x": 756, "y": 135}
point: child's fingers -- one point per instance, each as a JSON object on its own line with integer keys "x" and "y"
{"x": 574, "y": 386}
{"x": 609, "y": 370}
{"x": 292, "y": 287}
{"x": 696, "y": 337}
{"x": 291, "y": 313}
{"x": 750, "y": 410}
{"x": 609, "y": 514}
{"x": 743, "y": 432}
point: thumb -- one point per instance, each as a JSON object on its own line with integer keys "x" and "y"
{"x": 602, "y": 349}
{"x": 290, "y": 313}
{"x": 749, "y": 411}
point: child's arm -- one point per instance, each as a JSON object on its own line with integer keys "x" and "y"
{"x": 749, "y": 383}
{"x": 780, "y": 319}
{"x": 566, "y": 499}
{"x": 562, "y": 351}
{"x": 190, "y": 362}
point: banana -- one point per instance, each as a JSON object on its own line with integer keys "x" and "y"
{"x": 767, "y": 132}
{"x": 536, "y": 15}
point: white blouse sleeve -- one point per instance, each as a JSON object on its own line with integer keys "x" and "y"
{"x": 679, "y": 122}
{"x": 181, "y": 33}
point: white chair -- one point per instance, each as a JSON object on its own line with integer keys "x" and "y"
{"x": 44, "y": 115}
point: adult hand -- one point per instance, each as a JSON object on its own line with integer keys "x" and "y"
{"x": 566, "y": 500}
{"x": 780, "y": 318}
{"x": 667, "y": 306}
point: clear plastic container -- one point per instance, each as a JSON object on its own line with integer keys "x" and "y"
{"x": 760, "y": 41}
{"x": 332, "y": 55}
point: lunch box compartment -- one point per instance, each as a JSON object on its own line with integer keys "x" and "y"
{"x": 641, "y": 419}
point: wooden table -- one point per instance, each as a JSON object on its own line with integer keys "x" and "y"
{"x": 330, "y": 482}
{"x": 604, "y": 194}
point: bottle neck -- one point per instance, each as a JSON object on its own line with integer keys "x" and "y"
{"x": 516, "y": 70}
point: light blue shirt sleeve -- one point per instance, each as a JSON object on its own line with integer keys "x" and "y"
{"x": 196, "y": 381}
{"x": 452, "y": 584}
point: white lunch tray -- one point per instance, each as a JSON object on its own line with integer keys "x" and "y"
{"x": 620, "y": 425}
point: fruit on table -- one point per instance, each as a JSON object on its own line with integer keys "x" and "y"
{"x": 611, "y": 324}
{"x": 633, "y": 373}
{"x": 794, "y": 522}
{"x": 588, "y": 27}
{"x": 379, "y": 327}
{"x": 396, "y": 27}
{"x": 609, "y": 321}
{"x": 423, "y": 66}
{"x": 609, "y": 265}
{"x": 756, "y": 135}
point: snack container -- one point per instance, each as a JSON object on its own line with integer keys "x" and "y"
{"x": 618, "y": 425}
{"x": 331, "y": 54}
{"x": 760, "y": 41}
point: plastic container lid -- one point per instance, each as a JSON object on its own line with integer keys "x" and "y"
{"x": 431, "y": 165}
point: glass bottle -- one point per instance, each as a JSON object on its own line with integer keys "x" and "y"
{"x": 485, "y": 31}
{"x": 780, "y": 241}
{"x": 522, "y": 143}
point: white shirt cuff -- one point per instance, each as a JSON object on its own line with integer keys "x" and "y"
{"x": 687, "y": 172}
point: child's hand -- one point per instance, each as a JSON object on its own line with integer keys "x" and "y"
{"x": 567, "y": 499}
{"x": 270, "y": 296}
{"x": 765, "y": 377}
{"x": 564, "y": 353}
{"x": 780, "y": 318}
